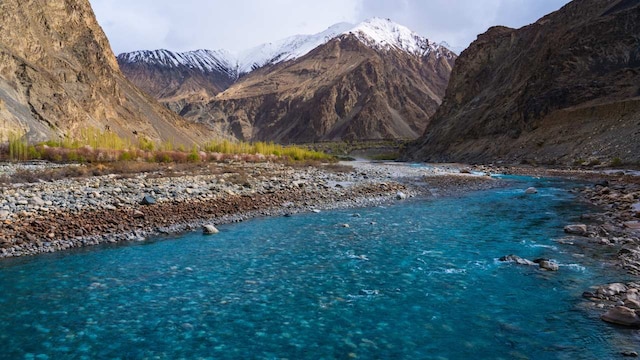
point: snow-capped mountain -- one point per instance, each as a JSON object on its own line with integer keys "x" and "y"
{"x": 204, "y": 60}
{"x": 376, "y": 32}
{"x": 373, "y": 80}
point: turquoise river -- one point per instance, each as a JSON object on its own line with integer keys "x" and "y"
{"x": 419, "y": 279}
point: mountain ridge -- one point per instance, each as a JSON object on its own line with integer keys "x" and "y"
{"x": 375, "y": 32}
{"x": 355, "y": 68}
{"x": 561, "y": 90}
{"x": 58, "y": 76}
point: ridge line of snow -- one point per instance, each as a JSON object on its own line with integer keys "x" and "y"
{"x": 375, "y": 32}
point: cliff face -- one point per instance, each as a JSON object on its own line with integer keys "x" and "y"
{"x": 342, "y": 90}
{"x": 560, "y": 90}
{"x": 58, "y": 75}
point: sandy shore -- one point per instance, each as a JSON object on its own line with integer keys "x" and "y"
{"x": 57, "y": 215}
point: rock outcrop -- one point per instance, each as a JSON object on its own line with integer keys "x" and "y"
{"x": 58, "y": 76}
{"x": 565, "y": 89}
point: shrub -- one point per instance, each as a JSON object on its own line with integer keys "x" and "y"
{"x": 616, "y": 161}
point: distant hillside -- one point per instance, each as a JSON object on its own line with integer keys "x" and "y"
{"x": 58, "y": 75}
{"x": 374, "y": 80}
{"x": 565, "y": 89}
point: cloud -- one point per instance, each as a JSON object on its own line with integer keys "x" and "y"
{"x": 458, "y": 22}
{"x": 234, "y": 25}
{"x": 240, "y": 24}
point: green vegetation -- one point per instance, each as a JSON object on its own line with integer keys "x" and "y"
{"x": 296, "y": 153}
{"x": 388, "y": 156}
{"x": 616, "y": 161}
{"x": 91, "y": 145}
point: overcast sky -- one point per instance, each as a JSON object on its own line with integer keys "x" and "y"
{"x": 240, "y": 24}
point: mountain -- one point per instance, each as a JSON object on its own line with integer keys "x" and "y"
{"x": 374, "y": 80}
{"x": 58, "y": 75}
{"x": 565, "y": 89}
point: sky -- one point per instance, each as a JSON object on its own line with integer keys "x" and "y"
{"x": 237, "y": 25}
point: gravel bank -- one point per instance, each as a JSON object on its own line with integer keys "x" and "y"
{"x": 63, "y": 214}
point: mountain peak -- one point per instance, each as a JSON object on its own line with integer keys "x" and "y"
{"x": 386, "y": 34}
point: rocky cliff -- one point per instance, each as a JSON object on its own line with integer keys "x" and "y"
{"x": 374, "y": 80}
{"x": 562, "y": 90}
{"x": 58, "y": 75}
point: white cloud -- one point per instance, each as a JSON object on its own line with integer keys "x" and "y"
{"x": 240, "y": 24}
{"x": 234, "y": 25}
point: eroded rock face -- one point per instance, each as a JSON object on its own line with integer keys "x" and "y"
{"x": 342, "y": 90}
{"x": 59, "y": 75}
{"x": 562, "y": 90}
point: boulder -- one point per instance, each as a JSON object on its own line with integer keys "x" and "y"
{"x": 148, "y": 200}
{"x": 209, "y": 230}
{"x": 401, "y": 196}
{"x": 632, "y": 304}
{"x": 548, "y": 265}
{"x": 622, "y": 315}
{"x": 516, "y": 259}
{"x": 616, "y": 288}
{"x": 576, "y": 229}
{"x": 531, "y": 190}
{"x": 633, "y": 225}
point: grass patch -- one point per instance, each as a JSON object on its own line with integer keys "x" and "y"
{"x": 93, "y": 146}
{"x": 389, "y": 156}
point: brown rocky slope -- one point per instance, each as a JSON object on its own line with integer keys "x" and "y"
{"x": 562, "y": 90}
{"x": 58, "y": 75}
{"x": 342, "y": 90}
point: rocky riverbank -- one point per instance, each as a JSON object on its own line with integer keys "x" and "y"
{"x": 614, "y": 235}
{"x": 49, "y": 216}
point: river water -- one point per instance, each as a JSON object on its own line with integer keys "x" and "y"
{"x": 415, "y": 280}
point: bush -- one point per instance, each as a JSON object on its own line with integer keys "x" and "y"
{"x": 616, "y": 161}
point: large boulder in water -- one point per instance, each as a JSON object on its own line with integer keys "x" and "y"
{"x": 622, "y": 315}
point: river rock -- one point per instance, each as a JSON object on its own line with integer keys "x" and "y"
{"x": 576, "y": 229}
{"x": 516, "y": 259}
{"x": 616, "y": 288}
{"x": 209, "y": 230}
{"x": 148, "y": 200}
{"x": 531, "y": 190}
{"x": 401, "y": 196}
{"x": 622, "y": 315}
{"x": 633, "y": 225}
{"x": 547, "y": 265}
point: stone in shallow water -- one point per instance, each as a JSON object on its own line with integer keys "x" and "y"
{"x": 576, "y": 229}
{"x": 548, "y": 265}
{"x": 401, "y": 196}
{"x": 531, "y": 190}
{"x": 209, "y": 230}
{"x": 622, "y": 315}
{"x": 516, "y": 259}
